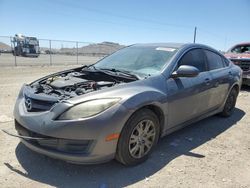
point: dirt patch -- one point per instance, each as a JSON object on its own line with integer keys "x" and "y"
{"x": 214, "y": 152}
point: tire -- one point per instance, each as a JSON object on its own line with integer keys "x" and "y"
{"x": 230, "y": 103}
{"x": 138, "y": 138}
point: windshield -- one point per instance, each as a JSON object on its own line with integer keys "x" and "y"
{"x": 138, "y": 60}
{"x": 31, "y": 41}
{"x": 241, "y": 49}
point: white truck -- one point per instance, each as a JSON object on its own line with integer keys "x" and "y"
{"x": 25, "y": 46}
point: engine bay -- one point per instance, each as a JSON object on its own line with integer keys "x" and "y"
{"x": 75, "y": 82}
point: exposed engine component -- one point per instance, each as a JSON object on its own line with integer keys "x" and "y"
{"x": 68, "y": 85}
{"x": 67, "y": 81}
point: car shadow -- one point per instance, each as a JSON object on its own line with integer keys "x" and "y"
{"x": 61, "y": 174}
{"x": 245, "y": 88}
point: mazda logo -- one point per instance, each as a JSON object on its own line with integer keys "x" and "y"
{"x": 28, "y": 104}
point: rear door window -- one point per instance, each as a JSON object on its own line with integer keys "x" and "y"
{"x": 194, "y": 58}
{"x": 215, "y": 61}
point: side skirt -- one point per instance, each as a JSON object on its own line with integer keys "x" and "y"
{"x": 189, "y": 122}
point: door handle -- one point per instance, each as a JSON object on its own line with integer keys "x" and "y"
{"x": 207, "y": 81}
{"x": 230, "y": 74}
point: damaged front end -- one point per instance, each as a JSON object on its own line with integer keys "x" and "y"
{"x": 42, "y": 94}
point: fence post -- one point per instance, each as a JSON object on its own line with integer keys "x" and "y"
{"x": 50, "y": 58}
{"x": 13, "y": 50}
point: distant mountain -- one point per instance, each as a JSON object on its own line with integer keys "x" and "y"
{"x": 99, "y": 49}
{"x": 103, "y": 48}
{"x": 4, "y": 46}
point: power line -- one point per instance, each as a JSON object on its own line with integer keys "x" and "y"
{"x": 140, "y": 20}
{"x": 122, "y": 16}
{"x": 211, "y": 33}
{"x": 105, "y": 21}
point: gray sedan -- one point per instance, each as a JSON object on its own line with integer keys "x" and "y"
{"x": 121, "y": 106}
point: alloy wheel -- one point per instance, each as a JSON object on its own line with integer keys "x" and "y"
{"x": 142, "y": 138}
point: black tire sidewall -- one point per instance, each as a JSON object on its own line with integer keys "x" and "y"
{"x": 226, "y": 112}
{"x": 123, "y": 154}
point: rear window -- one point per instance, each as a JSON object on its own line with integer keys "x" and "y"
{"x": 215, "y": 61}
{"x": 241, "y": 49}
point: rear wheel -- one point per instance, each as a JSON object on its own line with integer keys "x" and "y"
{"x": 138, "y": 138}
{"x": 230, "y": 103}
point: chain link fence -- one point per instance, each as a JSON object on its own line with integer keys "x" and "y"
{"x": 55, "y": 52}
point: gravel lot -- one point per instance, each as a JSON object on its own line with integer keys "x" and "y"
{"x": 214, "y": 152}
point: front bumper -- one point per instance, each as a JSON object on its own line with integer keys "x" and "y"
{"x": 71, "y": 158}
{"x": 73, "y": 151}
{"x": 31, "y": 54}
{"x": 246, "y": 78}
{"x": 88, "y": 133}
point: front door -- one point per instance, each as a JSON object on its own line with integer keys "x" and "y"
{"x": 188, "y": 97}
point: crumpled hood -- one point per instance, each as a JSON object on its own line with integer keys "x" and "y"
{"x": 125, "y": 91}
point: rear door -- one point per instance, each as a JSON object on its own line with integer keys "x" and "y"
{"x": 188, "y": 97}
{"x": 221, "y": 74}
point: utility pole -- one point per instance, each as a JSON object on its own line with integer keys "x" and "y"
{"x": 50, "y": 58}
{"x": 76, "y": 52}
{"x": 195, "y": 33}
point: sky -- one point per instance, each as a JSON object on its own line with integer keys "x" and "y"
{"x": 220, "y": 23}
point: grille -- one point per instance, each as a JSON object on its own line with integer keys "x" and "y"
{"x": 55, "y": 144}
{"x": 244, "y": 65}
{"x": 34, "y": 105}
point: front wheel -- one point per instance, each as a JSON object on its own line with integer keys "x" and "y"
{"x": 138, "y": 137}
{"x": 230, "y": 103}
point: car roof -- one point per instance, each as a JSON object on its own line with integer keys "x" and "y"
{"x": 174, "y": 45}
{"x": 243, "y": 43}
{"x": 239, "y": 44}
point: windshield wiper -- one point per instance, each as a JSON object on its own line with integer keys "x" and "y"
{"x": 112, "y": 71}
{"x": 89, "y": 66}
{"x": 123, "y": 72}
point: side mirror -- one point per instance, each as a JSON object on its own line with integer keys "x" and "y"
{"x": 185, "y": 71}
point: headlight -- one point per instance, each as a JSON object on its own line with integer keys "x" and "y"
{"x": 89, "y": 108}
